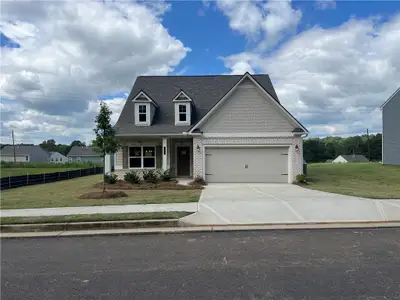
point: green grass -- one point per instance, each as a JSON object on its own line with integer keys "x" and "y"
{"x": 94, "y": 218}
{"x": 65, "y": 193}
{"x": 369, "y": 180}
{"x": 6, "y": 172}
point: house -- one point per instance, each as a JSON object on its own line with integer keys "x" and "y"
{"x": 329, "y": 161}
{"x": 57, "y": 157}
{"x": 352, "y": 158}
{"x": 225, "y": 128}
{"x": 84, "y": 154}
{"x": 24, "y": 153}
{"x": 391, "y": 129}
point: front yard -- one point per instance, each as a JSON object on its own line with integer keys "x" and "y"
{"x": 369, "y": 180}
{"x": 66, "y": 193}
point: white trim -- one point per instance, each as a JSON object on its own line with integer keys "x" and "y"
{"x": 185, "y": 100}
{"x": 137, "y": 114}
{"x": 151, "y": 134}
{"x": 184, "y": 144}
{"x": 142, "y": 156}
{"x": 390, "y": 98}
{"x": 141, "y": 93}
{"x": 289, "y": 146}
{"x": 164, "y": 158}
{"x": 188, "y": 107}
{"x": 220, "y": 102}
{"x": 250, "y": 134}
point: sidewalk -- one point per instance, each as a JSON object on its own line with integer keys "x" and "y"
{"x": 104, "y": 209}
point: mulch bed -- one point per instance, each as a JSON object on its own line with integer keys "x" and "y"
{"x": 103, "y": 195}
{"x": 161, "y": 185}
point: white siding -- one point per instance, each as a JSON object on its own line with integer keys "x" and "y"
{"x": 247, "y": 110}
{"x": 18, "y": 158}
{"x": 339, "y": 159}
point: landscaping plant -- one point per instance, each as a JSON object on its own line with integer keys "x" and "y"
{"x": 110, "y": 178}
{"x": 132, "y": 177}
{"x": 166, "y": 175}
{"x": 301, "y": 178}
{"x": 106, "y": 141}
{"x": 198, "y": 180}
{"x": 150, "y": 176}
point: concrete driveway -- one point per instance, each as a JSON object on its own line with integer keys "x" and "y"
{"x": 285, "y": 203}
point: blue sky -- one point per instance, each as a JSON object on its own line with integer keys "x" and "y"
{"x": 332, "y": 62}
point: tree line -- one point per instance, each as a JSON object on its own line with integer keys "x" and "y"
{"x": 52, "y": 146}
{"x": 322, "y": 149}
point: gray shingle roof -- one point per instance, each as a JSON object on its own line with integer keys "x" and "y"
{"x": 22, "y": 150}
{"x": 82, "y": 151}
{"x": 205, "y": 91}
{"x": 355, "y": 158}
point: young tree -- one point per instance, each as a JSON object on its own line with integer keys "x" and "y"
{"x": 105, "y": 142}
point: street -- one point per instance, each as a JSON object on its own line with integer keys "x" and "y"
{"x": 281, "y": 264}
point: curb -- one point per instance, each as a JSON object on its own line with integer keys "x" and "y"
{"x": 205, "y": 228}
{"x": 75, "y": 226}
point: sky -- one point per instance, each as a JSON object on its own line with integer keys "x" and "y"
{"x": 333, "y": 63}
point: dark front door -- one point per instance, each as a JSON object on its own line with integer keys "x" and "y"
{"x": 183, "y": 161}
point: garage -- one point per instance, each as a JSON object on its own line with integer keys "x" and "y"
{"x": 246, "y": 164}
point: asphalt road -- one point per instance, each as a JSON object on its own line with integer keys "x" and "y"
{"x": 302, "y": 264}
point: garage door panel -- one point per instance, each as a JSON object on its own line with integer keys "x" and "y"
{"x": 247, "y": 164}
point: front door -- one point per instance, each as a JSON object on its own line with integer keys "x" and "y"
{"x": 183, "y": 161}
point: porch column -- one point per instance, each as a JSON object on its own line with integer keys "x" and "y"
{"x": 165, "y": 154}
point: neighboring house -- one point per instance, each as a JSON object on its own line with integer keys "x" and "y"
{"x": 329, "y": 161}
{"x": 391, "y": 130}
{"x": 83, "y": 154}
{"x": 57, "y": 157}
{"x": 225, "y": 128}
{"x": 352, "y": 158}
{"x": 24, "y": 153}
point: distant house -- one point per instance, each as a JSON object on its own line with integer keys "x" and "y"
{"x": 84, "y": 154}
{"x": 24, "y": 153}
{"x": 352, "y": 158}
{"x": 391, "y": 130}
{"x": 57, "y": 157}
{"x": 329, "y": 161}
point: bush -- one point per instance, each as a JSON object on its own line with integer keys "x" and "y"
{"x": 132, "y": 177}
{"x": 198, "y": 180}
{"x": 110, "y": 178}
{"x": 150, "y": 176}
{"x": 301, "y": 178}
{"x": 166, "y": 175}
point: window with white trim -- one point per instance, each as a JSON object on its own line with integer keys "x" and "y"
{"x": 70, "y": 159}
{"x": 182, "y": 112}
{"x": 142, "y": 113}
{"x": 78, "y": 159}
{"x": 142, "y": 157}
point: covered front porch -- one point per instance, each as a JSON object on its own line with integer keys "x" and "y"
{"x": 157, "y": 153}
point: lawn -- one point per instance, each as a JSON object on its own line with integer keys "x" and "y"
{"x": 94, "y": 218}
{"x": 6, "y": 172}
{"x": 65, "y": 193}
{"x": 370, "y": 180}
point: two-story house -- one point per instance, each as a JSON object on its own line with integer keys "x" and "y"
{"x": 225, "y": 128}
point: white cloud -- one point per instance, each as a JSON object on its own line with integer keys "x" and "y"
{"x": 257, "y": 19}
{"x": 325, "y": 4}
{"x": 334, "y": 80}
{"x": 73, "y": 52}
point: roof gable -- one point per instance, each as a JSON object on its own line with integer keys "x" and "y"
{"x": 355, "y": 158}
{"x": 391, "y": 97}
{"x": 82, "y": 151}
{"x": 182, "y": 97}
{"x": 204, "y": 91}
{"x": 143, "y": 97}
{"x": 23, "y": 150}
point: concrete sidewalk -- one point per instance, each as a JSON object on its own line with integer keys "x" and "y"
{"x": 104, "y": 209}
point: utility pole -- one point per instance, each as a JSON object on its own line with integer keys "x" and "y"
{"x": 12, "y": 132}
{"x": 369, "y": 152}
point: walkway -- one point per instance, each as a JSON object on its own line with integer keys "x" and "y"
{"x": 105, "y": 209}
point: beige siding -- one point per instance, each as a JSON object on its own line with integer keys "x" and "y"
{"x": 247, "y": 110}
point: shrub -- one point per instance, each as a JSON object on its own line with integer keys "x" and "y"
{"x": 132, "y": 177}
{"x": 301, "y": 178}
{"x": 198, "y": 180}
{"x": 110, "y": 178}
{"x": 150, "y": 176}
{"x": 166, "y": 175}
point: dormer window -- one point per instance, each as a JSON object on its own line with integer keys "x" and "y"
{"x": 183, "y": 108}
{"x": 142, "y": 113}
{"x": 144, "y": 109}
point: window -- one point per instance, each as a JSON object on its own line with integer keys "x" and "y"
{"x": 52, "y": 159}
{"x": 27, "y": 158}
{"x": 70, "y": 159}
{"x": 56, "y": 159}
{"x": 60, "y": 158}
{"x": 142, "y": 157}
{"x": 78, "y": 159}
{"x": 142, "y": 114}
{"x": 182, "y": 113}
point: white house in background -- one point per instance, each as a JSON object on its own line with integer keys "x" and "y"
{"x": 352, "y": 158}
{"x": 57, "y": 157}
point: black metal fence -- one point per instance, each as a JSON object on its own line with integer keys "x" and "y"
{"x": 32, "y": 179}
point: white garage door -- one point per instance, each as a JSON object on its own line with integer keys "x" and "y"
{"x": 247, "y": 164}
